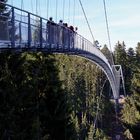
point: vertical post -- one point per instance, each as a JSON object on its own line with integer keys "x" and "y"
{"x": 20, "y": 38}
{"x": 41, "y": 32}
{"x": 29, "y": 31}
{"x": 46, "y": 35}
{"x": 68, "y": 36}
{"x": 82, "y": 39}
{"x": 13, "y": 29}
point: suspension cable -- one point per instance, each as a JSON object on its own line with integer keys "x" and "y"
{"x": 39, "y": 8}
{"x": 22, "y": 7}
{"x": 74, "y": 13}
{"x": 69, "y": 12}
{"x": 36, "y": 8}
{"x": 87, "y": 21}
{"x": 12, "y": 2}
{"x": 63, "y": 9}
{"x": 56, "y": 10}
{"x": 98, "y": 104}
{"x": 32, "y": 6}
{"x": 47, "y": 3}
{"x": 108, "y": 33}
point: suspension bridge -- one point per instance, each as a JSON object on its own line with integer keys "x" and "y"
{"x": 21, "y": 30}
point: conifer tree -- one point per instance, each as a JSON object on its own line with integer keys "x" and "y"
{"x": 138, "y": 52}
{"x": 120, "y": 54}
{"x": 33, "y": 104}
{"x": 107, "y": 53}
{"x": 131, "y": 110}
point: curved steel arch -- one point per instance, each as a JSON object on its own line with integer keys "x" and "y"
{"x": 109, "y": 73}
{"x": 102, "y": 64}
{"x": 52, "y": 38}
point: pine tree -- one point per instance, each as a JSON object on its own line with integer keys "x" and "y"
{"x": 131, "y": 110}
{"x": 107, "y": 53}
{"x": 120, "y": 54}
{"x": 130, "y": 68}
{"x": 37, "y": 104}
{"x": 138, "y": 52}
{"x": 33, "y": 104}
{"x": 91, "y": 132}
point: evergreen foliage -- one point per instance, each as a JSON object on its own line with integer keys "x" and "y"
{"x": 122, "y": 57}
{"x": 52, "y": 97}
{"x": 33, "y": 104}
{"x": 131, "y": 109}
{"x": 107, "y": 53}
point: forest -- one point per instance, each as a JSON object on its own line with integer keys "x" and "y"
{"x": 54, "y": 96}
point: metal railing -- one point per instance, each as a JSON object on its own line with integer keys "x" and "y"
{"x": 27, "y": 30}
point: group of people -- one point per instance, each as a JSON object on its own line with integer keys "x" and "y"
{"x": 60, "y": 34}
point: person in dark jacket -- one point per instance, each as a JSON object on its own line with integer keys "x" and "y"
{"x": 51, "y": 31}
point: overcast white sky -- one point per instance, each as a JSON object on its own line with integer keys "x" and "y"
{"x": 123, "y": 17}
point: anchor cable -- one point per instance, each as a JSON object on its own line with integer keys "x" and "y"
{"x": 87, "y": 21}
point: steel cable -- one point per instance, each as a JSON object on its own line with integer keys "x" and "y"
{"x": 108, "y": 33}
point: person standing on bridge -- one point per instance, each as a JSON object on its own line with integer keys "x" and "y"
{"x": 75, "y": 37}
{"x": 71, "y": 35}
{"x": 60, "y": 33}
{"x": 51, "y": 31}
{"x": 65, "y": 36}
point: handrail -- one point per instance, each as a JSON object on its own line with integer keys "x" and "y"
{"x": 37, "y": 16}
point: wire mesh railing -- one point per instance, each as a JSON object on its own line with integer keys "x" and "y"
{"x": 24, "y": 29}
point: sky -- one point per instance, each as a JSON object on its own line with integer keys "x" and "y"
{"x": 123, "y": 17}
